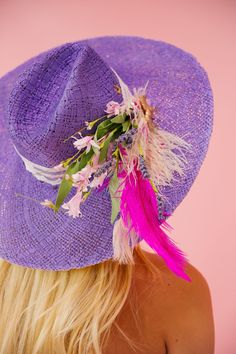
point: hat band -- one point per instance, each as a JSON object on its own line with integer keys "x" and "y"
{"x": 51, "y": 175}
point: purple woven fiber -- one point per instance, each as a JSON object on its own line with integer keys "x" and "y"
{"x": 48, "y": 98}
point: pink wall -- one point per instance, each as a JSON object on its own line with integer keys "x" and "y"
{"x": 203, "y": 223}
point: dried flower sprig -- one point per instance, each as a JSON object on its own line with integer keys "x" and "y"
{"x": 93, "y": 163}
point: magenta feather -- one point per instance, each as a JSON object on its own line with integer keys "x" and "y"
{"x": 139, "y": 208}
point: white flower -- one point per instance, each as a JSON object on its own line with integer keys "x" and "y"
{"x": 85, "y": 141}
{"x": 81, "y": 178}
{"x": 83, "y": 174}
{"x": 113, "y": 108}
{"x": 98, "y": 181}
{"x": 73, "y": 206}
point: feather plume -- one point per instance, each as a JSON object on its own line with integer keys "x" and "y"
{"x": 140, "y": 210}
{"x": 161, "y": 159}
{"x": 123, "y": 242}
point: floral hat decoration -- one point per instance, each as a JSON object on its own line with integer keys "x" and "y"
{"x": 119, "y": 163}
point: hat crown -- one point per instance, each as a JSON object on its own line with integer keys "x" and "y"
{"x": 60, "y": 90}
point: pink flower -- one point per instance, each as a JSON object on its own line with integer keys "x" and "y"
{"x": 81, "y": 178}
{"x": 98, "y": 181}
{"x": 73, "y": 206}
{"x": 112, "y": 108}
{"x": 85, "y": 141}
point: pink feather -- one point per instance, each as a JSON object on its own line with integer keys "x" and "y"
{"x": 139, "y": 209}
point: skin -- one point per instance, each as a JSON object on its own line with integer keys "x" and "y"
{"x": 176, "y": 317}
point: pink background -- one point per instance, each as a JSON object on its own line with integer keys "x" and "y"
{"x": 203, "y": 223}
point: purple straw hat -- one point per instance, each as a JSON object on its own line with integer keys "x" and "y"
{"x": 49, "y": 97}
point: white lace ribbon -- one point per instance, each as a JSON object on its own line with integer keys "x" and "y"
{"x": 51, "y": 175}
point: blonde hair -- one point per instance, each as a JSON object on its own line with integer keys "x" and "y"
{"x": 64, "y": 312}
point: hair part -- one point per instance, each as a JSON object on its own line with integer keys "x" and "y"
{"x": 65, "y": 312}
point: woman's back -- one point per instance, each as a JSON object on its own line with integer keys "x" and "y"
{"x": 175, "y": 316}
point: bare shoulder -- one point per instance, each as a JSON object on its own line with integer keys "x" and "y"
{"x": 192, "y": 327}
{"x": 184, "y": 309}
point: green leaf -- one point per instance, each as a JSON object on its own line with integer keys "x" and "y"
{"x": 153, "y": 186}
{"x": 119, "y": 119}
{"x": 116, "y": 153}
{"x": 103, "y": 128}
{"x": 65, "y": 186}
{"x": 126, "y": 125}
{"x": 91, "y": 124}
{"x": 115, "y": 196}
{"x": 96, "y": 150}
{"x": 106, "y": 143}
{"x": 86, "y": 194}
{"x": 118, "y": 132}
{"x": 85, "y": 159}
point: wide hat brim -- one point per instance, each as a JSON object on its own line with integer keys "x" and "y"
{"x": 35, "y": 236}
